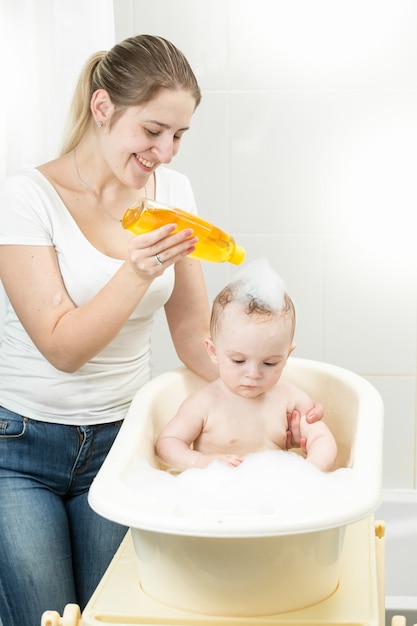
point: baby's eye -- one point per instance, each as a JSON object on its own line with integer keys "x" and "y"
{"x": 238, "y": 361}
{"x": 269, "y": 364}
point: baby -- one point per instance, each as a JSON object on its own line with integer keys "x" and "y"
{"x": 245, "y": 409}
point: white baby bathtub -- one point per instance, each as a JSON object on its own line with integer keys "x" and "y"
{"x": 244, "y": 565}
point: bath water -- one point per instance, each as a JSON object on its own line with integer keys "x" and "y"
{"x": 266, "y": 483}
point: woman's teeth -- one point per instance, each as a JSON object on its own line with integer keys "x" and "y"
{"x": 145, "y": 162}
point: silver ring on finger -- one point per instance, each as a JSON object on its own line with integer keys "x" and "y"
{"x": 158, "y": 259}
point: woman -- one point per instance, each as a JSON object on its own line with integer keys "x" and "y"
{"x": 81, "y": 296}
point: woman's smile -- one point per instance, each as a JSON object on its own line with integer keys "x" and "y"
{"x": 148, "y": 165}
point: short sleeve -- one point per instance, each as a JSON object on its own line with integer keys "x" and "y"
{"x": 25, "y": 210}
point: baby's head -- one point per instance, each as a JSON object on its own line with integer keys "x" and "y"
{"x": 252, "y": 330}
{"x": 257, "y": 291}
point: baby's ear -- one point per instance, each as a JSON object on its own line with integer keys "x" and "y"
{"x": 211, "y": 349}
{"x": 292, "y": 348}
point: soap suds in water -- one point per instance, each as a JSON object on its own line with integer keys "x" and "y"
{"x": 267, "y": 483}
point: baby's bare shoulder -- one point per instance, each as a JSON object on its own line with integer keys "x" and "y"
{"x": 203, "y": 394}
{"x": 284, "y": 388}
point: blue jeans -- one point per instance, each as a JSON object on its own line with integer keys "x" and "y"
{"x": 54, "y": 548}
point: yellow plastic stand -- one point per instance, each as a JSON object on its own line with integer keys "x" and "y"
{"x": 71, "y": 617}
{"x": 358, "y": 600}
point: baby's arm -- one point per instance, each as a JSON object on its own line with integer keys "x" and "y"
{"x": 314, "y": 438}
{"x": 173, "y": 443}
{"x": 321, "y": 445}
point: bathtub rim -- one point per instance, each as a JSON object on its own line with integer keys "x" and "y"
{"x": 108, "y": 498}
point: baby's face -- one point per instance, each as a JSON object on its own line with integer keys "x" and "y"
{"x": 251, "y": 351}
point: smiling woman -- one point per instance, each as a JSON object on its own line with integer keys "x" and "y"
{"x": 81, "y": 296}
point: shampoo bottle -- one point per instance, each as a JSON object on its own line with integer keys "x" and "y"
{"x": 213, "y": 244}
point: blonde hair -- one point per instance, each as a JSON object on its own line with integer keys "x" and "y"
{"x": 251, "y": 306}
{"x": 132, "y": 73}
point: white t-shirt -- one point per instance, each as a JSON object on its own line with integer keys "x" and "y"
{"x": 32, "y": 213}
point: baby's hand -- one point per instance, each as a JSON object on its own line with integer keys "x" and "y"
{"x": 231, "y": 460}
{"x": 202, "y": 460}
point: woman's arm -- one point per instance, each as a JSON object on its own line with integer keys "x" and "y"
{"x": 69, "y": 336}
{"x": 188, "y": 316}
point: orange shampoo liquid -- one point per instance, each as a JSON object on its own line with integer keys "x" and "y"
{"x": 213, "y": 244}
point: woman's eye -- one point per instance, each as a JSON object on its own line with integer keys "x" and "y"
{"x": 153, "y": 133}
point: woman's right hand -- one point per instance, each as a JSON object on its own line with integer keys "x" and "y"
{"x": 152, "y": 252}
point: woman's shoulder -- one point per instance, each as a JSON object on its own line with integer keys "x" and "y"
{"x": 166, "y": 175}
{"x": 173, "y": 187}
{"x": 25, "y": 180}
{"x": 27, "y": 173}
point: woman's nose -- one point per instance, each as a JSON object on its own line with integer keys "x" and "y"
{"x": 164, "y": 150}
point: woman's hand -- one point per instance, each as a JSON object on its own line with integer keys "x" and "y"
{"x": 294, "y": 439}
{"x": 152, "y": 252}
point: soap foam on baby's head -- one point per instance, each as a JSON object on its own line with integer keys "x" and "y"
{"x": 257, "y": 289}
{"x": 259, "y": 281}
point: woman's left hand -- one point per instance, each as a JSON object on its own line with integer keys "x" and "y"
{"x": 294, "y": 439}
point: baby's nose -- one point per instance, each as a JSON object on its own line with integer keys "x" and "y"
{"x": 254, "y": 371}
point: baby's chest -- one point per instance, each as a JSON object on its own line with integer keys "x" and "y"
{"x": 255, "y": 429}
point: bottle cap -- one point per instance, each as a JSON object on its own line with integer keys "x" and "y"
{"x": 238, "y": 255}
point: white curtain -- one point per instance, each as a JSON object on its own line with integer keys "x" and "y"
{"x": 44, "y": 44}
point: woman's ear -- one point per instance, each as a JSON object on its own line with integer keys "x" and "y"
{"x": 211, "y": 349}
{"x": 101, "y": 107}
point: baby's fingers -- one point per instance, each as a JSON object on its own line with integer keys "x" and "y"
{"x": 232, "y": 460}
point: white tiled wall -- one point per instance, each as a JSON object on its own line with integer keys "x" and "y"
{"x": 305, "y": 149}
